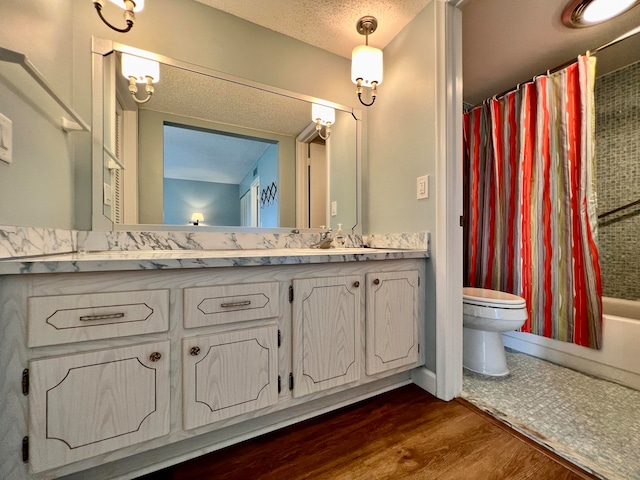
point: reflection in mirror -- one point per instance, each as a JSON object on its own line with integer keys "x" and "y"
{"x": 240, "y": 153}
{"x": 221, "y": 176}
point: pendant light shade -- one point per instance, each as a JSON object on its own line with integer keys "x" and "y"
{"x": 323, "y": 116}
{"x": 366, "y": 63}
{"x": 138, "y": 5}
{"x": 140, "y": 68}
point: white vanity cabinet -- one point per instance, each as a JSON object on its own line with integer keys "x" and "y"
{"x": 391, "y": 320}
{"x": 228, "y": 374}
{"x": 91, "y": 403}
{"x": 124, "y": 363}
{"x": 327, "y": 350}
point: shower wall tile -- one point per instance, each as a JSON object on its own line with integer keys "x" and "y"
{"x": 617, "y": 97}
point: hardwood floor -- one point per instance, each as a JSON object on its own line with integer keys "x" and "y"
{"x": 403, "y": 434}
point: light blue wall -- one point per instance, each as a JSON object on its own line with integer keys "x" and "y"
{"x": 268, "y": 171}
{"x": 218, "y": 202}
{"x": 37, "y": 189}
{"x": 402, "y": 129}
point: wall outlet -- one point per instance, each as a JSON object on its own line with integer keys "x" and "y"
{"x": 423, "y": 187}
{"x": 6, "y": 139}
{"x": 334, "y": 209}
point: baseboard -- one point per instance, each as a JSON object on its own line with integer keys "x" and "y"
{"x": 425, "y": 379}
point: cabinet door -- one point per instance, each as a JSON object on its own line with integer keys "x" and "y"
{"x": 392, "y": 320}
{"x": 229, "y": 374}
{"x": 326, "y": 333}
{"x": 91, "y": 403}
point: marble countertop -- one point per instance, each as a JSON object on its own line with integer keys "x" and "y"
{"x": 114, "y": 260}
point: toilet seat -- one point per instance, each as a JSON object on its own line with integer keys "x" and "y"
{"x": 483, "y": 297}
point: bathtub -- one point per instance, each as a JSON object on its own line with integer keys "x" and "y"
{"x": 619, "y": 358}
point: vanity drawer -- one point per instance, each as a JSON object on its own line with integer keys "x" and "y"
{"x": 204, "y": 306}
{"x": 60, "y": 319}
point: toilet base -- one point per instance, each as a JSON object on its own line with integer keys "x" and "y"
{"x": 483, "y": 352}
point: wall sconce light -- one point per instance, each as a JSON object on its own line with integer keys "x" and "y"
{"x": 140, "y": 70}
{"x": 129, "y": 7}
{"x": 196, "y": 218}
{"x": 323, "y": 116}
{"x": 366, "y": 61}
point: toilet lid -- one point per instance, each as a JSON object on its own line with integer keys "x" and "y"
{"x": 483, "y": 296}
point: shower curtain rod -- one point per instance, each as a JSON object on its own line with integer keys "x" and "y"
{"x": 622, "y": 37}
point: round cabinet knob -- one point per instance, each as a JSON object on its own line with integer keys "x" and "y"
{"x": 155, "y": 356}
{"x": 356, "y": 284}
{"x": 376, "y": 281}
{"x": 195, "y": 351}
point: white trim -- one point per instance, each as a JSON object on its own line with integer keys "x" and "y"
{"x": 458, "y": 3}
{"x": 448, "y": 235}
{"x": 302, "y": 188}
{"x": 425, "y": 379}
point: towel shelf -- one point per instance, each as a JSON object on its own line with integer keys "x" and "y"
{"x": 16, "y": 58}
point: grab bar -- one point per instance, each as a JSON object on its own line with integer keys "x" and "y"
{"x": 616, "y": 210}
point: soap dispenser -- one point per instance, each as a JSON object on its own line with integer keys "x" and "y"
{"x": 339, "y": 237}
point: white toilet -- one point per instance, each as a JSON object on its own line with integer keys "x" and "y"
{"x": 486, "y": 314}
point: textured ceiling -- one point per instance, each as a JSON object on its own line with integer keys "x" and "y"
{"x": 218, "y": 100}
{"x": 327, "y": 24}
{"x": 189, "y": 155}
{"x": 506, "y": 42}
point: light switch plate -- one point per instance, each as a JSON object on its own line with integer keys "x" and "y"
{"x": 6, "y": 139}
{"x": 422, "y": 187}
{"x": 334, "y": 209}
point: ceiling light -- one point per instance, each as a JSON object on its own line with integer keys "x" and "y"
{"x": 324, "y": 117}
{"x": 140, "y": 70}
{"x": 584, "y": 13}
{"x": 366, "y": 61}
{"x": 129, "y": 7}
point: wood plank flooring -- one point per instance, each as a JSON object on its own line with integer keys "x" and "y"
{"x": 403, "y": 434}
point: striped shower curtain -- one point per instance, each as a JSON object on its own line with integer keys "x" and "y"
{"x": 530, "y": 205}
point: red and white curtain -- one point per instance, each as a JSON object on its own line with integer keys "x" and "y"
{"x": 530, "y": 203}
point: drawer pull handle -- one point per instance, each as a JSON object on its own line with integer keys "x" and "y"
{"x": 155, "y": 356}
{"x": 108, "y": 316}
{"x": 236, "y": 304}
{"x": 376, "y": 281}
{"x": 356, "y": 284}
{"x": 195, "y": 351}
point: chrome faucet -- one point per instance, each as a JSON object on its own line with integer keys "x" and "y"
{"x": 325, "y": 240}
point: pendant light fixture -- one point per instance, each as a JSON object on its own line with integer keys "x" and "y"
{"x": 129, "y": 7}
{"x": 140, "y": 70}
{"x": 584, "y": 13}
{"x": 323, "y": 116}
{"x": 366, "y": 61}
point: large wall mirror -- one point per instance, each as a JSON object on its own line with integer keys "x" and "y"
{"x": 209, "y": 149}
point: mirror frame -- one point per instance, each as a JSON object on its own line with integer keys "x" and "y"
{"x": 99, "y": 222}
